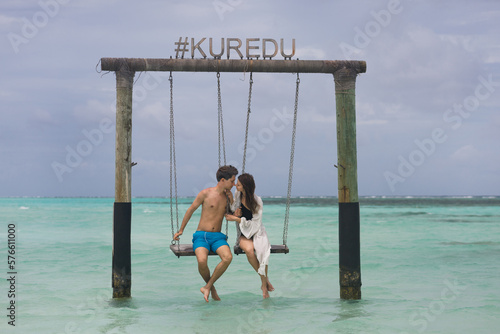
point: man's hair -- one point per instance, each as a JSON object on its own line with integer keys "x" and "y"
{"x": 226, "y": 172}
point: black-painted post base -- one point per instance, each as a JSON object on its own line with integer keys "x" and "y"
{"x": 121, "y": 276}
{"x": 349, "y": 251}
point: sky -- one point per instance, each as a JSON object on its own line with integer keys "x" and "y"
{"x": 426, "y": 108}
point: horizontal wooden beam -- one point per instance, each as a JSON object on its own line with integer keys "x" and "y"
{"x": 231, "y": 65}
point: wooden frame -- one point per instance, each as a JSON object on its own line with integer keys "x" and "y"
{"x": 344, "y": 73}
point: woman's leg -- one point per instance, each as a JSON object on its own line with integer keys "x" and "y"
{"x": 270, "y": 287}
{"x": 247, "y": 246}
{"x": 264, "y": 287}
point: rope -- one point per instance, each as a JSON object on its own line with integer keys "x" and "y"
{"x": 228, "y": 211}
{"x": 292, "y": 154}
{"x": 222, "y": 144}
{"x": 173, "y": 164}
{"x": 248, "y": 121}
{"x": 221, "y": 135}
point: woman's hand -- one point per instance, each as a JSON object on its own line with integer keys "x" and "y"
{"x": 237, "y": 213}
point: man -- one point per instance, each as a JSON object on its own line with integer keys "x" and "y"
{"x": 208, "y": 236}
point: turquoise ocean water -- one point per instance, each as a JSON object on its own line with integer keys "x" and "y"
{"x": 428, "y": 265}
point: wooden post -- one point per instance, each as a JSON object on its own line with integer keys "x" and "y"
{"x": 122, "y": 210}
{"x": 349, "y": 245}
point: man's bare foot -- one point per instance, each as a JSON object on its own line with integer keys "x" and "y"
{"x": 270, "y": 287}
{"x": 205, "y": 292}
{"x": 265, "y": 293}
{"x": 215, "y": 296}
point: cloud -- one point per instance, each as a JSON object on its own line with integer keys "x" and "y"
{"x": 94, "y": 111}
{"x": 310, "y": 53}
{"x": 8, "y": 20}
{"x": 467, "y": 154}
{"x": 426, "y": 60}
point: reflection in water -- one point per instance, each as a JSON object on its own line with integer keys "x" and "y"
{"x": 122, "y": 313}
{"x": 240, "y": 313}
{"x": 348, "y": 309}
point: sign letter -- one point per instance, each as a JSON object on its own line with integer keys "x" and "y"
{"x": 252, "y": 47}
{"x": 264, "y": 54}
{"x": 283, "y": 49}
{"x": 218, "y": 55}
{"x": 237, "y": 48}
{"x": 197, "y": 46}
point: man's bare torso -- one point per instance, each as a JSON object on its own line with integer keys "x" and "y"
{"x": 213, "y": 211}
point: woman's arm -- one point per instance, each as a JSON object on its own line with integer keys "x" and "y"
{"x": 250, "y": 227}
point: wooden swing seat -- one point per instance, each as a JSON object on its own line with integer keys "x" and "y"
{"x": 187, "y": 250}
{"x": 275, "y": 249}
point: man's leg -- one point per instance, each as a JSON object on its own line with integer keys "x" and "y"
{"x": 226, "y": 257}
{"x": 202, "y": 257}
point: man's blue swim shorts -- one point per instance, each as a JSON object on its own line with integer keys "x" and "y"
{"x": 210, "y": 240}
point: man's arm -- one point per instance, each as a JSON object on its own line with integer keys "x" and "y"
{"x": 196, "y": 203}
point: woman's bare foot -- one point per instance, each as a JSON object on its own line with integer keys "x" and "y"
{"x": 270, "y": 287}
{"x": 265, "y": 293}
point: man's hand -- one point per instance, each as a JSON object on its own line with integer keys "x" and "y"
{"x": 233, "y": 218}
{"x": 177, "y": 235}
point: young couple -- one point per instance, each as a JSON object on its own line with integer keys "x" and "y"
{"x": 246, "y": 210}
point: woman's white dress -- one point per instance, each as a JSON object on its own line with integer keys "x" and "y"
{"x": 253, "y": 229}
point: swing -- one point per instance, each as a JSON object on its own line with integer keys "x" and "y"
{"x": 187, "y": 249}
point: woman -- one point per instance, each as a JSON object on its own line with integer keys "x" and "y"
{"x": 252, "y": 235}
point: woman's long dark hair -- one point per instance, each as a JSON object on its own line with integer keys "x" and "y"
{"x": 248, "y": 184}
